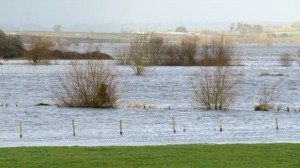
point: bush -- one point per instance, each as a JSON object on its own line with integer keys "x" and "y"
{"x": 155, "y": 50}
{"x": 188, "y": 50}
{"x": 171, "y": 56}
{"x": 218, "y": 51}
{"x": 286, "y": 59}
{"x": 121, "y": 54}
{"x": 91, "y": 84}
{"x": 39, "y": 49}
{"x": 267, "y": 95}
{"x": 138, "y": 54}
{"x": 10, "y": 46}
{"x": 216, "y": 89}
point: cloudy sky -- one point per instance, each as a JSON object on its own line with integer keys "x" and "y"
{"x": 69, "y": 12}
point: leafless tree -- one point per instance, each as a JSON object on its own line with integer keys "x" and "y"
{"x": 215, "y": 89}
{"x": 39, "y": 49}
{"x": 121, "y": 54}
{"x": 137, "y": 54}
{"x": 189, "y": 49}
{"x": 286, "y": 59}
{"x": 88, "y": 84}
{"x": 171, "y": 56}
{"x": 268, "y": 94}
{"x": 218, "y": 51}
{"x": 155, "y": 49}
{"x": 203, "y": 89}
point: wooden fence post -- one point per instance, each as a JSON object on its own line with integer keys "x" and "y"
{"x": 174, "y": 125}
{"x": 73, "y": 124}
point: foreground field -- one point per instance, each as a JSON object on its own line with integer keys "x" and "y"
{"x": 236, "y": 155}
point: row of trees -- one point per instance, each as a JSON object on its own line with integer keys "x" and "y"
{"x": 146, "y": 50}
{"x": 41, "y": 49}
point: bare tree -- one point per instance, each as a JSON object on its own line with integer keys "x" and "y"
{"x": 203, "y": 89}
{"x": 286, "y": 59}
{"x": 171, "y": 56}
{"x": 121, "y": 54}
{"x": 268, "y": 94}
{"x": 155, "y": 49}
{"x": 218, "y": 51}
{"x": 90, "y": 84}
{"x": 39, "y": 49}
{"x": 189, "y": 49}
{"x": 217, "y": 88}
{"x": 137, "y": 54}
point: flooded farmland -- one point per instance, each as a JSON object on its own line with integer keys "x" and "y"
{"x": 168, "y": 89}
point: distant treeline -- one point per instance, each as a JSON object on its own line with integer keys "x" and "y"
{"x": 245, "y": 28}
{"x": 11, "y": 46}
{"x": 152, "y": 50}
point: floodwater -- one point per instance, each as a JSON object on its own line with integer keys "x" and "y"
{"x": 23, "y": 86}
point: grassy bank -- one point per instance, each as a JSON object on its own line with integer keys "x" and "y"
{"x": 237, "y": 155}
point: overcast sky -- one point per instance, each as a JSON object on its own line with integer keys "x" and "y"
{"x": 70, "y": 12}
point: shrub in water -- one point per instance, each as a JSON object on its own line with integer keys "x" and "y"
{"x": 90, "y": 84}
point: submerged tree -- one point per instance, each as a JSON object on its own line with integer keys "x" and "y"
{"x": 267, "y": 95}
{"x": 90, "y": 84}
{"x": 188, "y": 50}
{"x": 138, "y": 54}
{"x": 39, "y": 49}
{"x": 218, "y": 51}
{"x": 215, "y": 89}
{"x": 155, "y": 50}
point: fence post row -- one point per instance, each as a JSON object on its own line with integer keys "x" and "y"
{"x": 121, "y": 126}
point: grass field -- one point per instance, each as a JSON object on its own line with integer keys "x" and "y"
{"x": 294, "y": 36}
{"x": 236, "y": 155}
{"x": 296, "y": 32}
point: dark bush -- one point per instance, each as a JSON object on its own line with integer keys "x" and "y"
{"x": 58, "y": 54}
{"x": 188, "y": 50}
{"x": 10, "y": 46}
{"x": 218, "y": 51}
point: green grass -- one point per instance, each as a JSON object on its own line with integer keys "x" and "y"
{"x": 236, "y": 155}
